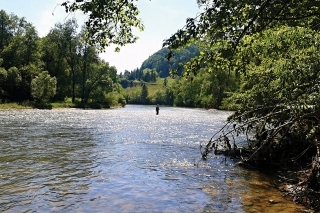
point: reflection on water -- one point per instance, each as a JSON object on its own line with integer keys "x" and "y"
{"x": 123, "y": 160}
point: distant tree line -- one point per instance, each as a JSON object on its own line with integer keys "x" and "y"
{"x": 147, "y": 75}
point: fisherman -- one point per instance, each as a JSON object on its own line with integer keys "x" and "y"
{"x": 157, "y": 109}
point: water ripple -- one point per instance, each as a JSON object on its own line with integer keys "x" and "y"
{"x": 122, "y": 160}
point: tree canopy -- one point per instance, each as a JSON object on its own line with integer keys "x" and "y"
{"x": 43, "y": 86}
{"x": 109, "y": 22}
{"x": 232, "y": 20}
{"x": 27, "y": 63}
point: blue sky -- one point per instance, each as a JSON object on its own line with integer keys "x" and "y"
{"x": 161, "y": 19}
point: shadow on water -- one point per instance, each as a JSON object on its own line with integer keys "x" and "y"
{"x": 123, "y": 160}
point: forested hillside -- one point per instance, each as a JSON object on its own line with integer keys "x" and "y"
{"x": 158, "y": 65}
{"x": 159, "y": 60}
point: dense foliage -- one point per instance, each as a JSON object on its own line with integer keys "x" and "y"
{"x": 145, "y": 75}
{"x": 279, "y": 93}
{"x": 43, "y": 86}
{"x": 60, "y": 65}
{"x": 278, "y": 108}
{"x": 232, "y": 20}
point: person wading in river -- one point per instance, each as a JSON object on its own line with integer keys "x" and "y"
{"x": 157, "y": 109}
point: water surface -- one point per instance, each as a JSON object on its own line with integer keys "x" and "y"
{"x": 123, "y": 160}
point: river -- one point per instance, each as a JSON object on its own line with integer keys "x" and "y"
{"x": 123, "y": 160}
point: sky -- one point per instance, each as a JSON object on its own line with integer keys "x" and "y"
{"x": 161, "y": 19}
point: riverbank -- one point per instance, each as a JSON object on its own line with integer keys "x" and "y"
{"x": 294, "y": 184}
{"x": 15, "y": 106}
{"x": 55, "y": 105}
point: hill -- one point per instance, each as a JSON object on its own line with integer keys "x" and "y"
{"x": 159, "y": 62}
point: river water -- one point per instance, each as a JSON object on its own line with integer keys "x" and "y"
{"x": 123, "y": 160}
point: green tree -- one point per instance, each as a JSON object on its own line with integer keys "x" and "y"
{"x": 278, "y": 101}
{"x": 165, "y": 82}
{"x": 70, "y": 42}
{"x": 144, "y": 94}
{"x": 5, "y": 29}
{"x": 13, "y": 82}
{"x": 232, "y": 20}
{"x": 43, "y": 86}
{"x": 169, "y": 97}
{"x": 98, "y": 81}
{"x": 20, "y": 55}
{"x": 159, "y": 97}
{"x": 3, "y": 80}
{"x": 54, "y": 50}
{"x": 22, "y": 49}
{"x": 109, "y": 22}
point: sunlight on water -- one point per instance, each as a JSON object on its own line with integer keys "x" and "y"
{"x": 123, "y": 160}
{"x": 178, "y": 163}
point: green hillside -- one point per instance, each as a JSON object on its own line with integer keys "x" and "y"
{"x": 159, "y": 62}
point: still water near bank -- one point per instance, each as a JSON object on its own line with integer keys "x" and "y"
{"x": 123, "y": 160}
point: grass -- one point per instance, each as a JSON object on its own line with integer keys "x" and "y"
{"x": 153, "y": 87}
{"x": 65, "y": 104}
{"x": 15, "y": 106}
{"x": 31, "y": 105}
